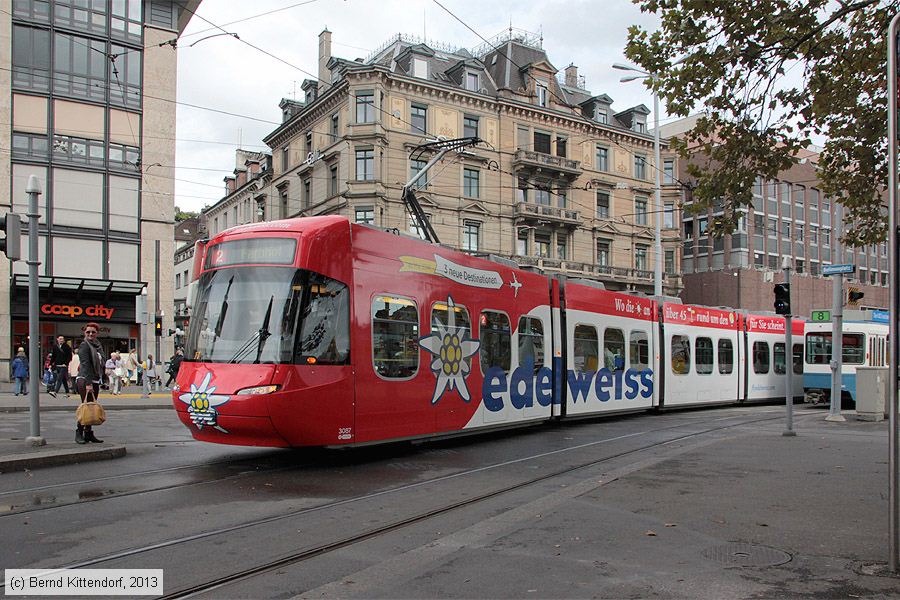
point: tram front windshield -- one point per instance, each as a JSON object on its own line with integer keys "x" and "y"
{"x": 269, "y": 315}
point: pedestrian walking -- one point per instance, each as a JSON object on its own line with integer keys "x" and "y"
{"x": 60, "y": 357}
{"x": 149, "y": 367}
{"x": 174, "y": 366}
{"x": 90, "y": 371}
{"x": 131, "y": 366}
{"x": 20, "y": 372}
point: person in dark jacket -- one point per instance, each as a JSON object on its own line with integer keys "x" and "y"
{"x": 20, "y": 372}
{"x": 90, "y": 371}
{"x": 60, "y": 357}
{"x": 174, "y": 365}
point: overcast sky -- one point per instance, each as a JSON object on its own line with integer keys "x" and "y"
{"x": 227, "y": 74}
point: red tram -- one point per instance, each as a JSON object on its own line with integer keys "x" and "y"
{"x": 319, "y": 332}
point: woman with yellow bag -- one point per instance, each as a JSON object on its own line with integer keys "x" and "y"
{"x": 90, "y": 370}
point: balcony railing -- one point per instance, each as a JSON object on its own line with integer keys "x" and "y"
{"x": 542, "y": 212}
{"x": 530, "y": 158}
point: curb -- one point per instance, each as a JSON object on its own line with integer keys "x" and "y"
{"x": 53, "y": 458}
{"x": 18, "y": 409}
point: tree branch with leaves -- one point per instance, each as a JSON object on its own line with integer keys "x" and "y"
{"x": 769, "y": 76}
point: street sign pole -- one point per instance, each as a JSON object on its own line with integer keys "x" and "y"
{"x": 894, "y": 307}
{"x": 33, "y": 190}
{"x": 788, "y": 358}
{"x": 837, "y": 321}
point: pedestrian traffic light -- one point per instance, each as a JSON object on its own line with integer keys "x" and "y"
{"x": 854, "y": 296}
{"x": 783, "y": 298}
{"x": 11, "y": 245}
{"x": 158, "y": 325}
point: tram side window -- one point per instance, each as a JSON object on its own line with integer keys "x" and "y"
{"x": 586, "y": 348}
{"x": 531, "y": 341}
{"x": 395, "y": 337}
{"x": 681, "y": 354}
{"x": 760, "y": 357}
{"x": 460, "y": 328}
{"x": 726, "y": 357}
{"x": 640, "y": 350}
{"x": 325, "y": 331}
{"x": 798, "y": 359}
{"x": 614, "y": 349}
{"x": 779, "y": 359}
{"x": 818, "y": 348}
{"x": 704, "y": 350}
{"x": 496, "y": 340}
{"x": 854, "y": 348}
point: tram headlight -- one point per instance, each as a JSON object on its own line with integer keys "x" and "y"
{"x": 255, "y": 391}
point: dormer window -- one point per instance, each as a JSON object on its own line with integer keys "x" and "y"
{"x": 472, "y": 82}
{"x": 542, "y": 93}
{"x": 640, "y": 127}
{"x": 420, "y": 68}
{"x": 602, "y": 115}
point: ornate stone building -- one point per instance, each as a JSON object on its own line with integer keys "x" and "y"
{"x": 561, "y": 183}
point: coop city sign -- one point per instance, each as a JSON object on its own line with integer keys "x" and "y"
{"x": 73, "y": 311}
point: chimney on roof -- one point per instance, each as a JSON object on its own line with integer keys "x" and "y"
{"x": 324, "y": 57}
{"x": 572, "y": 76}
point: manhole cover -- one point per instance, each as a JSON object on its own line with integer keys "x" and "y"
{"x": 746, "y": 555}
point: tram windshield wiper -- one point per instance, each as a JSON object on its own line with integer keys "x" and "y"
{"x": 264, "y": 332}
{"x": 258, "y": 338}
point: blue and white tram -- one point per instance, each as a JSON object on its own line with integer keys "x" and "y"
{"x": 865, "y": 344}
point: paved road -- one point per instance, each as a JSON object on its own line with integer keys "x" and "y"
{"x": 694, "y": 504}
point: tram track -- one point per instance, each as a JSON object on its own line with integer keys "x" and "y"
{"x": 348, "y": 540}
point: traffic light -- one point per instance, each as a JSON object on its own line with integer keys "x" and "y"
{"x": 783, "y": 298}
{"x": 854, "y": 296}
{"x": 11, "y": 245}
{"x": 158, "y": 325}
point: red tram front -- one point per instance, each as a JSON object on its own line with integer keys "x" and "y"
{"x": 320, "y": 332}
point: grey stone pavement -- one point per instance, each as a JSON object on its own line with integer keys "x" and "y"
{"x": 18, "y": 454}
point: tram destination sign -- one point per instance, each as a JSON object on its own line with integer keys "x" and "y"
{"x": 838, "y": 269}
{"x": 258, "y": 251}
{"x": 820, "y": 316}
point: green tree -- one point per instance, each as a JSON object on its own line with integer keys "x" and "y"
{"x": 182, "y": 215}
{"x": 769, "y": 75}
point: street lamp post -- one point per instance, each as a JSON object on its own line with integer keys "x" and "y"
{"x": 657, "y": 242}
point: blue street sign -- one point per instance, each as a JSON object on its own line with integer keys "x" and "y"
{"x": 837, "y": 269}
{"x": 880, "y": 316}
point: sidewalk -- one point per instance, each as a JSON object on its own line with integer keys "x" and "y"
{"x": 18, "y": 455}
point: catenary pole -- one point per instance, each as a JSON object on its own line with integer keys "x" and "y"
{"x": 788, "y": 358}
{"x": 33, "y": 190}
{"x": 894, "y": 306}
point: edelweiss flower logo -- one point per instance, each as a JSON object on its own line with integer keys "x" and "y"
{"x": 450, "y": 346}
{"x": 202, "y": 402}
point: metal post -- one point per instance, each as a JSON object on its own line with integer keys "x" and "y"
{"x": 658, "y": 213}
{"x": 33, "y": 189}
{"x": 788, "y": 357}
{"x": 144, "y": 345}
{"x": 837, "y": 322}
{"x": 894, "y": 443}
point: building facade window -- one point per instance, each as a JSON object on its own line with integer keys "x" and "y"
{"x": 335, "y": 127}
{"x": 562, "y": 246}
{"x": 30, "y": 145}
{"x": 365, "y": 214}
{"x": 471, "y": 234}
{"x": 125, "y": 72}
{"x": 640, "y": 258}
{"x": 285, "y": 158}
{"x": 472, "y": 83}
{"x": 542, "y": 142}
{"x": 79, "y": 67}
{"x": 415, "y": 167}
{"x": 471, "y": 186}
{"x": 603, "y": 253}
{"x": 669, "y": 215}
{"x": 640, "y": 211}
{"x": 333, "y": 180}
{"x": 640, "y": 166}
{"x": 365, "y": 107}
{"x": 543, "y": 94}
{"x": 307, "y": 193}
{"x": 470, "y": 126}
{"x": 561, "y": 143}
{"x": 31, "y": 57}
{"x": 365, "y": 164}
{"x": 602, "y": 158}
{"x": 669, "y": 170}
{"x": 670, "y": 262}
{"x": 126, "y": 19}
{"x": 419, "y": 118}
{"x": 602, "y": 205}
{"x": 420, "y": 68}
